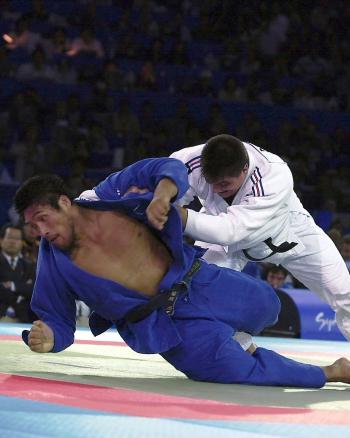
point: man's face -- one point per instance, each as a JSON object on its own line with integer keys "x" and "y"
{"x": 228, "y": 186}
{"x": 276, "y": 279}
{"x": 12, "y": 243}
{"x": 55, "y": 225}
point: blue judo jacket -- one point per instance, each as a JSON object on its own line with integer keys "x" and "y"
{"x": 60, "y": 282}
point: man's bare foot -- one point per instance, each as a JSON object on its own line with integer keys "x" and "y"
{"x": 339, "y": 371}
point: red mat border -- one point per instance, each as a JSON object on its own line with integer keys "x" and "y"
{"x": 143, "y": 404}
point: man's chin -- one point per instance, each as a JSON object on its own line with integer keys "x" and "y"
{"x": 226, "y": 195}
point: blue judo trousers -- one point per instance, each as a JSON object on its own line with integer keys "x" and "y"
{"x": 197, "y": 338}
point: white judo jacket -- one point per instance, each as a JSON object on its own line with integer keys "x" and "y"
{"x": 264, "y": 207}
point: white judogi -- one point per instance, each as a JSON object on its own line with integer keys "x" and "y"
{"x": 266, "y": 206}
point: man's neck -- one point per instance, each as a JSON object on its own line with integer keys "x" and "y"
{"x": 87, "y": 227}
{"x": 230, "y": 199}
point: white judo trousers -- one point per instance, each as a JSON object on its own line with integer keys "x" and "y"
{"x": 322, "y": 270}
{"x": 266, "y": 206}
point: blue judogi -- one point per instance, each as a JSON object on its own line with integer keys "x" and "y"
{"x": 197, "y": 338}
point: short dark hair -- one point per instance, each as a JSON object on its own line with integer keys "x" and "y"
{"x": 276, "y": 269}
{"x": 40, "y": 190}
{"x": 223, "y": 155}
{"x": 8, "y": 225}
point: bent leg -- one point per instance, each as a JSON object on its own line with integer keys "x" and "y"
{"x": 235, "y": 298}
{"x": 208, "y": 353}
{"x": 322, "y": 269}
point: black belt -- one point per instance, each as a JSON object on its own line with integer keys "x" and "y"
{"x": 165, "y": 299}
{"x": 283, "y": 247}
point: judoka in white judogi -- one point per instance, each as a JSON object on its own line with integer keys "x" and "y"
{"x": 266, "y": 222}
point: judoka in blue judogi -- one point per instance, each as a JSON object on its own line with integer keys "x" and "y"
{"x": 205, "y": 305}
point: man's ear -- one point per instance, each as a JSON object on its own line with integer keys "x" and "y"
{"x": 64, "y": 201}
{"x": 245, "y": 168}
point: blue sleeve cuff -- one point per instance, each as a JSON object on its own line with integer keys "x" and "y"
{"x": 25, "y": 334}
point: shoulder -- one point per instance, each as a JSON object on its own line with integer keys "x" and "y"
{"x": 189, "y": 155}
{"x": 262, "y": 155}
{"x": 265, "y": 165}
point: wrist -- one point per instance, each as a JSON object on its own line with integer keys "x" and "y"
{"x": 166, "y": 189}
{"x": 328, "y": 373}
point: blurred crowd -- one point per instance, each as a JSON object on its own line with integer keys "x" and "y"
{"x": 89, "y": 86}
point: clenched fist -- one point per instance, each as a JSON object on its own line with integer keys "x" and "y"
{"x": 158, "y": 209}
{"x": 157, "y": 212}
{"x": 41, "y": 337}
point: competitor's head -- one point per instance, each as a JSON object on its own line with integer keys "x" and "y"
{"x": 276, "y": 276}
{"x": 225, "y": 164}
{"x": 45, "y": 204}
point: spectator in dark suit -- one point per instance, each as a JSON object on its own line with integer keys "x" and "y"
{"x": 16, "y": 275}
